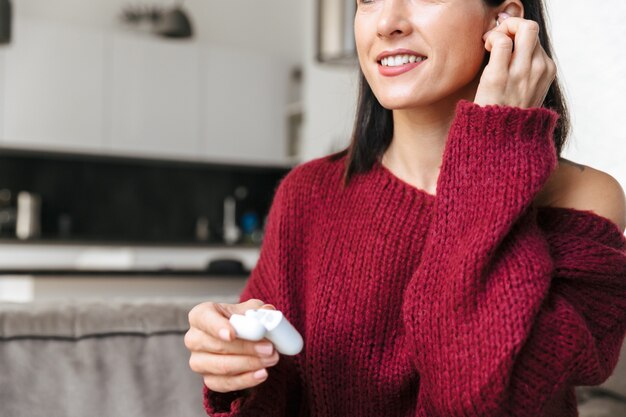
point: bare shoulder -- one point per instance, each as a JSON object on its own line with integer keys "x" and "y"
{"x": 581, "y": 187}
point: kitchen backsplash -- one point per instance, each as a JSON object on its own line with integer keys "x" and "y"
{"x": 68, "y": 198}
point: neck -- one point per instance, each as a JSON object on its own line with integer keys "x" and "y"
{"x": 419, "y": 138}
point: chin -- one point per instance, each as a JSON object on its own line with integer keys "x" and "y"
{"x": 402, "y": 103}
{"x": 441, "y": 97}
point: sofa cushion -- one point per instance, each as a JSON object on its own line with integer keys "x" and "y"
{"x": 97, "y": 359}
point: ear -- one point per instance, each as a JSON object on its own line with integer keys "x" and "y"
{"x": 513, "y": 8}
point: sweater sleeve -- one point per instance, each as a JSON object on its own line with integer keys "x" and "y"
{"x": 279, "y": 394}
{"x": 497, "y": 324}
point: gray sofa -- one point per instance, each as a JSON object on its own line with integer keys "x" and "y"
{"x": 122, "y": 358}
{"x": 97, "y": 359}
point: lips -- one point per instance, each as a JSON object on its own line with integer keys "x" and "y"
{"x": 403, "y": 60}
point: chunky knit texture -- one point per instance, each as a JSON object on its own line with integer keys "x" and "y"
{"x": 473, "y": 302}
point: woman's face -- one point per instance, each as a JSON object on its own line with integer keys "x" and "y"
{"x": 448, "y": 33}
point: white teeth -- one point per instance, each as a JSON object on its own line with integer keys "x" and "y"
{"x": 394, "y": 61}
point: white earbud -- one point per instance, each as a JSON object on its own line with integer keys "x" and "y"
{"x": 271, "y": 324}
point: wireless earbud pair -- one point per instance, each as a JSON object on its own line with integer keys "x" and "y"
{"x": 271, "y": 324}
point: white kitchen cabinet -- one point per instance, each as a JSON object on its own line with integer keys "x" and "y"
{"x": 108, "y": 91}
{"x": 155, "y": 100}
{"x": 53, "y": 87}
{"x": 245, "y": 94}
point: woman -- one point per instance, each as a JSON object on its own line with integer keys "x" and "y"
{"x": 446, "y": 263}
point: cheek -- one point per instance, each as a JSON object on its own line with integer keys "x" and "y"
{"x": 463, "y": 52}
{"x": 456, "y": 36}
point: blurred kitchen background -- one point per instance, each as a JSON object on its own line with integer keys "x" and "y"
{"x": 141, "y": 142}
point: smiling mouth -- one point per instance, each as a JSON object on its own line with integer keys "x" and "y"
{"x": 399, "y": 60}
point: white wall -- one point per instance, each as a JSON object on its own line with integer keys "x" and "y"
{"x": 589, "y": 40}
{"x": 274, "y": 27}
{"x": 330, "y": 95}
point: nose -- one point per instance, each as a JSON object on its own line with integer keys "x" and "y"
{"x": 393, "y": 19}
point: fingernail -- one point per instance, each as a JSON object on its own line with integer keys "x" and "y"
{"x": 264, "y": 349}
{"x": 504, "y": 15}
{"x": 260, "y": 374}
{"x": 225, "y": 334}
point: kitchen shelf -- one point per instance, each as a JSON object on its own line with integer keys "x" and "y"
{"x": 164, "y": 273}
{"x": 72, "y": 242}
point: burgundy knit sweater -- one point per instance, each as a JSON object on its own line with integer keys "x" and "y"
{"x": 472, "y": 302}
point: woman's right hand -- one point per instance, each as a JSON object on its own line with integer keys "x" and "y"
{"x": 225, "y": 362}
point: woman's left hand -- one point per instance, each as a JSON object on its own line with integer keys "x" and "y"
{"x": 519, "y": 77}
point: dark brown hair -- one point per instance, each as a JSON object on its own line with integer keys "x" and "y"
{"x": 373, "y": 126}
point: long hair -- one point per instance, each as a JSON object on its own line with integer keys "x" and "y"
{"x": 373, "y": 126}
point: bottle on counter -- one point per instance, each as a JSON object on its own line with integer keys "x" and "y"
{"x": 232, "y": 233}
{"x": 28, "y": 215}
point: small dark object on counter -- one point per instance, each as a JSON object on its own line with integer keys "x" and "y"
{"x": 226, "y": 267}
{"x": 135, "y": 14}
{"x": 174, "y": 24}
{"x": 170, "y": 23}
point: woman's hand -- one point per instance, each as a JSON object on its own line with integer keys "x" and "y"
{"x": 519, "y": 72}
{"x": 226, "y": 363}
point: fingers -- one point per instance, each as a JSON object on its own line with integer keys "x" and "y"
{"x": 524, "y": 35}
{"x": 224, "y": 384}
{"x": 207, "y": 319}
{"x": 198, "y": 341}
{"x": 526, "y": 46}
{"x": 524, "y": 32}
{"x": 513, "y": 27}
{"x": 229, "y": 365}
{"x": 519, "y": 71}
{"x": 501, "y": 47}
{"x": 212, "y": 318}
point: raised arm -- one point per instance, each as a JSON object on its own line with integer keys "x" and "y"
{"x": 496, "y": 326}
